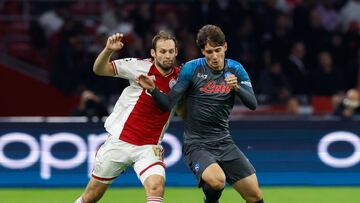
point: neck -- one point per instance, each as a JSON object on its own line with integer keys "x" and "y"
{"x": 163, "y": 71}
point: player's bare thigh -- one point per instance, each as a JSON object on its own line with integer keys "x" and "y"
{"x": 214, "y": 176}
{"x": 94, "y": 191}
{"x": 248, "y": 188}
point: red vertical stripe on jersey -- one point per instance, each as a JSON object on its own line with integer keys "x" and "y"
{"x": 146, "y": 121}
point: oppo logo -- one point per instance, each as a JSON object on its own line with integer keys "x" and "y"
{"x": 339, "y": 136}
{"x": 42, "y": 151}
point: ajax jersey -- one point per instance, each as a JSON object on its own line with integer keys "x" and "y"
{"x": 136, "y": 118}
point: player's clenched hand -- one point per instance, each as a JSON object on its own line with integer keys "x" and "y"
{"x": 114, "y": 42}
{"x": 232, "y": 81}
{"x": 145, "y": 82}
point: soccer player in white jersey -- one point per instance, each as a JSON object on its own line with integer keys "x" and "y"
{"x": 136, "y": 125}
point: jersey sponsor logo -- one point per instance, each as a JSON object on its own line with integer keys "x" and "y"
{"x": 247, "y": 83}
{"x": 212, "y": 87}
{"x": 200, "y": 75}
{"x": 172, "y": 82}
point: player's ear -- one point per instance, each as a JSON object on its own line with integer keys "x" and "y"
{"x": 203, "y": 51}
{"x": 225, "y": 46}
{"x": 176, "y": 52}
{"x": 153, "y": 53}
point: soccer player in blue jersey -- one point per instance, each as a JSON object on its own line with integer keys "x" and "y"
{"x": 210, "y": 85}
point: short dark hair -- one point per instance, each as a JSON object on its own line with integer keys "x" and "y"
{"x": 211, "y": 34}
{"x": 163, "y": 35}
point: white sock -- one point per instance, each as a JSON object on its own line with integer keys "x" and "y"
{"x": 79, "y": 200}
{"x": 154, "y": 199}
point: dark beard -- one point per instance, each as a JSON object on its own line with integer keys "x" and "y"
{"x": 165, "y": 68}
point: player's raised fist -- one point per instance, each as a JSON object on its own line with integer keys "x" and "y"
{"x": 114, "y": 42}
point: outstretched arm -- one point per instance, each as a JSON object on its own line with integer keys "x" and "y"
{"x": 102, "y": 66}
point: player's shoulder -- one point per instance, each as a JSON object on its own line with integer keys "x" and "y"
{"x": 234, "y": 64}
{"x": 195, "y": 63}
{"x": 136, "y": 60}
{"x": 190, "y": 67}
{"x": 135, "y": 63}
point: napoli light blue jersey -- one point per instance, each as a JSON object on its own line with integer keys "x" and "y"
{"x": 209, "y": 100}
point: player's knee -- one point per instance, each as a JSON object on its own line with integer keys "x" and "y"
{"x": 155, "y": 188}
{"x": 217, "y": 183}
{"x": 91, "y": 197}
{"x": 253, "y": 196}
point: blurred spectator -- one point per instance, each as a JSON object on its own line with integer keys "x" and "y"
{"x": 190, "y": 49}
{"x": 315, "y": 37}
{"x": 352, "y": 64}
{"x": 268, "y": 14}
{"x": 117, "y": 18}
{"x": 293, "y": 106}
{"x": 328, "y": 15}
{"x": 52, "y": 20}
{"x": 273, "y": 85}
{"x": 244, "y": 44}
{"x": 278, "y": 42}
{"x": 143, "y": 18}
{"x": 337, "y": 49}
{"x": 287, "y": 5}
{"x": 350, "y": 105}
{"x": 295, "y": 69}
{"x": 326, "y": 80}
{"x": 71, "y": 66}
{"x": 90, "y": 105}
{"x": 203, "y": 12}
{"x": 350, "y": 15}
{"x": 300, "y": 15}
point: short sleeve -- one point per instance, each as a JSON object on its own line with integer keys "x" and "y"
{"x": 130, "y": 68}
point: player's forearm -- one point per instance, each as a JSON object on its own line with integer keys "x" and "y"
{"x": 102, "y": 66}
{"x": 247, "y": 96}
{"x": 165, "y": 101}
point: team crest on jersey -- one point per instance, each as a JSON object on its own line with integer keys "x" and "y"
{"x": 172, "y": 83}
{"x": 197, "y": 167}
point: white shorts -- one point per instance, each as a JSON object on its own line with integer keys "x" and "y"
{"x": 115, "y": 155}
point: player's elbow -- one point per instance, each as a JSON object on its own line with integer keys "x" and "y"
{"x": 252, "y": 104}
{"x": 253, "y": 107}
{"x": 96, "y": 70}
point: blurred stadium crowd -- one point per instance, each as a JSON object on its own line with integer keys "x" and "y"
{"x": 302, "y": 55}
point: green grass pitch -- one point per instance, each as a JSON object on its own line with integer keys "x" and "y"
{"x": 186, "y": 195}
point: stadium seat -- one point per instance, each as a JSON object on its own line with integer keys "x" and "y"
{"x": 321, "y": 104}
